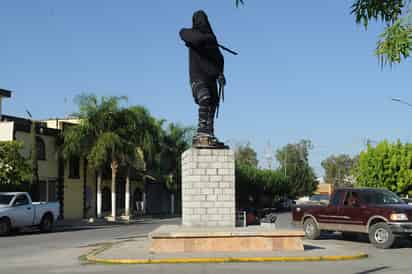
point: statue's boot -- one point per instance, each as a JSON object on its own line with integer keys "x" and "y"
{"x": 211, "y": 127}
{"x": 207, "y": 141}
{"x": 203, "y": 137}
{"x": 205, "y": 133}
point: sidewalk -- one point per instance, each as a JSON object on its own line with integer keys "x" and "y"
{"x": 95, "y": 223}
{"x": 136, "y": 251}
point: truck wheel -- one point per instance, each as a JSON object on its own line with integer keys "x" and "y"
{"x": 5, "y": 227}
{"x": 381, "y": 236}
{"x": 311, "y": 229}
{"x": 46, "y": 224}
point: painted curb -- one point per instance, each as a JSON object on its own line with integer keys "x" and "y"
{"x": 94, "y": 259}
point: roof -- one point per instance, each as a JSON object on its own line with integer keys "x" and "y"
{"x": 24, "y": 125}
{"x": 5, "y": 93}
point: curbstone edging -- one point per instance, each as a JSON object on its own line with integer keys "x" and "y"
{"x": 91, "y": 258}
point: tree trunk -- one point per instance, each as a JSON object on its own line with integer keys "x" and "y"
{"x": 99, "y": 194}
{"x": 172, "y": 204}
{"x": 114, "y": 166}
{"x": 127, "y": 194}
{"x": 33, "y": 154}
{"x": 144, "y": 203}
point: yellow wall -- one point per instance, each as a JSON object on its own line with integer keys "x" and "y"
{"x": 325, "y": 189}
{"x": 73, "y": 194}
{"x": 49, "y": 167}
{"x": 73, "y": 198}
{"x": 73, "y": 188}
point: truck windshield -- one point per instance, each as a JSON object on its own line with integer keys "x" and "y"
{"x": 381, "y": 197}
{"x": 5, "y": 199}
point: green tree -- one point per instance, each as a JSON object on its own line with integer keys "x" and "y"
{"x": 97, "y": 138}
{"x": 259, "y": 187}
{"x": 114, "y": 135}
{"x": 246, "y": 155}
{"x": 141, "y": 134}
{"x": 338, "y": 169}
{"x": 387, "y": 165}
{"x": 294, "y": 162}
{"x": 175, "y": 140}
{"x": 14, "y": 168}
{"x": 395, "y": 42}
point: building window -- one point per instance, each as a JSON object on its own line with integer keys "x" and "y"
{"x": 41, "y": 149}
{"x": 74, "y": 168}
{"x": 48, "y": 190}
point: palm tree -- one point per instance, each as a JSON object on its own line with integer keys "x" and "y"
{"x": 115, "y": 135}
{"x": 96, "y": 139}
{"x": 175, "y": 141}
{"x": 140, "y": 134}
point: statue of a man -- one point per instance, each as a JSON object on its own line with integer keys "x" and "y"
{"x": 206, "y": 65}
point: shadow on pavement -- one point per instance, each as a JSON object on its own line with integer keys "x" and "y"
{"x": 373, "y": 270}
{"x": 312, "y": 247}
{"x": 363, "y": 238}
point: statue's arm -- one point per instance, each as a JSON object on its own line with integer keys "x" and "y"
{"x": 195, "y": 38}
{"x": 221, "y": 63}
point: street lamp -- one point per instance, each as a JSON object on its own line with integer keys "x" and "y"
{"x": 398, "y": 100}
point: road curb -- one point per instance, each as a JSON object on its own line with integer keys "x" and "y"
{"x": 91, "y": 258}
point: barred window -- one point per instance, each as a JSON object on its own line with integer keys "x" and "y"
{"x": 41, "y": 149}
{"x": 74, "y": 168}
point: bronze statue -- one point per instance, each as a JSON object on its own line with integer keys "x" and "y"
{"x": 206, "y": 66}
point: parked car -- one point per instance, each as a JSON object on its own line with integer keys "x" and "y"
{"x": 377, "y": 212}
{"x": 319, "y": 199}
{"x": 284, "y": 204}
{"x": 407, "y": 200}
{"x": 316, "y": 199}
{"x": 17, "y": 210}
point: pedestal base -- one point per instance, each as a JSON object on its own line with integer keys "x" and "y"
{"x": 208, "y": 188}
{"x": 172, "y": 239}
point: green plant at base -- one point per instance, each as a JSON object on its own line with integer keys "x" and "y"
{"x": 14, "y": 168}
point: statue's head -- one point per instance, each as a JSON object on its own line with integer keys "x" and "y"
{"x": 201, "y": 22}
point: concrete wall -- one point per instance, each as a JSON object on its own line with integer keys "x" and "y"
{"x": 73, "y": 193}
{"x": 208, "y": 188}
{"x": 6, "y": 131}
{"x": 49, "y": 167}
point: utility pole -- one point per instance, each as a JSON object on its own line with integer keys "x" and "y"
{"x": 268, "y": 154}
{"x": 400, "y": 101}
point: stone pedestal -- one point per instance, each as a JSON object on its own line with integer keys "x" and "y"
{"x": 208, "y": 188}
{"x": 173, "y": 239}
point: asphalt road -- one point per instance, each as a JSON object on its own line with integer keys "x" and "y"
{"x": 58, "y": 253}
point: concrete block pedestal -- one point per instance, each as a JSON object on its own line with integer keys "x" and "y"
{"x": 208, "y": 212}
{"x": 208, "y": 188}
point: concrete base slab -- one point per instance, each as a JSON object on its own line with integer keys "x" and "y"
{"x": 173, "y": 239}
{"x": 137, "y": 252}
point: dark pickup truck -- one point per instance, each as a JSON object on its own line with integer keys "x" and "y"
{"x": 377, "y": 212}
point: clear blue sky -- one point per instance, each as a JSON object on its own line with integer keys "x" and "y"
{"x": 305, "y": 69}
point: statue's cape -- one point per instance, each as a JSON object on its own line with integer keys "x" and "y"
{"x": 206, "y": 62}
{"x": 201, "y": 23}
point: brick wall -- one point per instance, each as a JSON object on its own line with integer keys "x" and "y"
{"x": 208, "y": 187}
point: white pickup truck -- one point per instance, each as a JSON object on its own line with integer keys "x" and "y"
{"x": 17, "y": 210}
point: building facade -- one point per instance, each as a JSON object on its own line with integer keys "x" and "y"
{"x": 70, "y": 181}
